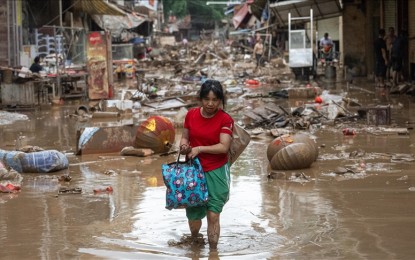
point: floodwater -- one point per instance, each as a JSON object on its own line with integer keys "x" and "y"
{"x": 368, "y": 214}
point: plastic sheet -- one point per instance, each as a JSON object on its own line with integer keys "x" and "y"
{"x": 86, "y": 135}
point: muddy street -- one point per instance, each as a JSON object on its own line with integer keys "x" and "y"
{"x": 316, "y": 213}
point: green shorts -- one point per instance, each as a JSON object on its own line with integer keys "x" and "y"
{"x": 218, "y": 183}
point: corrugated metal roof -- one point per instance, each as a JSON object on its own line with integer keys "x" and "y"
{"x": 322, "y": 9}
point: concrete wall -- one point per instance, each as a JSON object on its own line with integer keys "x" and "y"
{"x": 330, "y": 26}
{"x": 358, "y": 39}
{"x": 4, "y": 58}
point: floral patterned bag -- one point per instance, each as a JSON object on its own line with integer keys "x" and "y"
{"x": 186, "y": 184}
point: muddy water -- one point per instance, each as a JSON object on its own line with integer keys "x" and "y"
{"x": 367, "y": 214}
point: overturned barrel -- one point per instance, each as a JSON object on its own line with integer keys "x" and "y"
{"x": 292, "y": 152}
{"x": 156, "y": 133}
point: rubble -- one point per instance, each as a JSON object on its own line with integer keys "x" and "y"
{"x": 166, "y": 84}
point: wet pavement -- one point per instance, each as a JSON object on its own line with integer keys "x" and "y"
{"x": 314, "y": 213}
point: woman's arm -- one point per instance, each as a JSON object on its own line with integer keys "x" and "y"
{"x": 221, "y": 147}
{"x": 185, "y": 148}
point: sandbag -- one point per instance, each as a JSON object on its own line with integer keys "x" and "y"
{"x": 36, "y": 162}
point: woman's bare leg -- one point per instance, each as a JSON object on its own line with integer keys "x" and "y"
{"x": 213, "y": 229}
{"x": 194, "y": 226}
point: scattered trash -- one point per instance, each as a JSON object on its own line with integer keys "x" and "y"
{"x": 65, "y": 178}
{"x": 357, "y": 154}
{"x": 257, "y": 131}
{"x": 64, "y": 190}
{"x": 399, "y": 157}
{"x": 110, "y": 172}
{"x": 379, "y": 115}
{"x": 349, "y": 131}
{"x": 30, "y": 149}
{"x": 403, "y": 178}
{"x": 11, "y": 174}
{"x": 100, "y": 114}
{"x": 251, "y": 82}
{"x": 139, "y": 152}
{"x": 387, "y": 130}
{"x": 103, "y": 190}
{"x": 318, "y": 100}
{"x": 9, "y": 188}
{"x": 342, "y": 170}
{"x": 299, "y": 177}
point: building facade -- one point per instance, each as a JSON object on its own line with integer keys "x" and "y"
{"x": 361, "y": 23}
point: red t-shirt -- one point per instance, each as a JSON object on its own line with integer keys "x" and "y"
{"x": 206, "y": 132}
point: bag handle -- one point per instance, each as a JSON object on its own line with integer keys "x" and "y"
{"x": 187, "y": 161}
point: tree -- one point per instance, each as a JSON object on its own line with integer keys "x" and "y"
{"x": 175, "y": 7}
{"x": 196, "y": 8}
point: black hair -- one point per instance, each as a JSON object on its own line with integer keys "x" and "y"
{"x": 37, "y": 59}
{"x": 215, "y": 87}
{"x": 382, "y": 32}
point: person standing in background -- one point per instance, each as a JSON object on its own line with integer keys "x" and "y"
{"x": 258, "y": 52}
{"x": 326, "y": 48}
{"x": 326, "y": 41}
{"x": 397, "y": 55}
{"x": 381, "y": 59}
{"x": 36, "y": 67}
{"x": 389, "y": 39}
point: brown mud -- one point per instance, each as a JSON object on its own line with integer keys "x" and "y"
{"x": 316, "y": 213}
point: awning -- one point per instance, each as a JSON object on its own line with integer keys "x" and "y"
{"x": 241, "y": 17}
{"x": 117, "y": 24}
{"x": 98, "y": 7}
{"x": 322, "y": 9}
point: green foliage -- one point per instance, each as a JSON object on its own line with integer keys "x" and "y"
{"x": 196, "y": 8}
{"x": 175, "y": 7}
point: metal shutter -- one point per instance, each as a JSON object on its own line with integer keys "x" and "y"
{"x": 390, "y": 15}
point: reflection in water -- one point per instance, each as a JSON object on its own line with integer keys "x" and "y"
{"x": 244, "y": 231}
{"x": 304, "y": 217}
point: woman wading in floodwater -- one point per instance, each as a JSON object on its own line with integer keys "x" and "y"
{"x": 207, "y": 134}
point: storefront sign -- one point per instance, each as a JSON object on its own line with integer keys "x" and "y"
{"x": 97, "y": 64}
